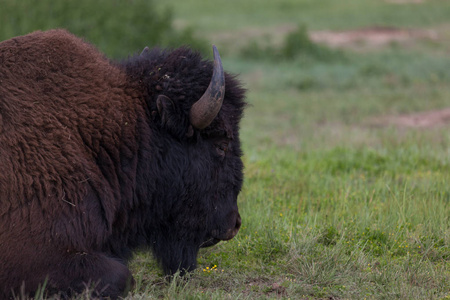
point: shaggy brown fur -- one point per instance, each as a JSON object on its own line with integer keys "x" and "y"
{"x": 61, "y": 105}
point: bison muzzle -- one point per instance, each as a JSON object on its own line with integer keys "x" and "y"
{"x": 99, "y": 158}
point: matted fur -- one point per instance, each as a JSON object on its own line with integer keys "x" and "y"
{"x": 90, "y": 169}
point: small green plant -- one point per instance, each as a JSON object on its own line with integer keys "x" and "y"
{"x": 297, "y": 44}
{"x": 328, "y": 236}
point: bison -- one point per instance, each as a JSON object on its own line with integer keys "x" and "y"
{"x": 99, "y": 158}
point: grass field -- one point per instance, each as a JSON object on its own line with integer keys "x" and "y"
{"x": 342, "y": 198}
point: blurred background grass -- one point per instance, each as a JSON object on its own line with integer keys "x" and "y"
{"x": 346, "y": 194}
{"x": 116, "y": 27}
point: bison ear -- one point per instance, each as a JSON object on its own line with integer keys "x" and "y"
{"x": 171, "y": 117}
{"x": 165, "y": 106}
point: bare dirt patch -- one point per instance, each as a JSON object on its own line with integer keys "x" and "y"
{"x": 428, "y": 119}
{"x": 405, "y": 1}
{"x": 372, "y": 37}
{"x": 267, "y": 288}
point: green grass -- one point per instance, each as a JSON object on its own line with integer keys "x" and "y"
{"x": 333, "y": 206}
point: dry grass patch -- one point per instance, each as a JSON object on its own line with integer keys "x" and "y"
{"x": 428, "y": 119}
{"x": 371, "y": 37}
{"x": 405, "y": 1}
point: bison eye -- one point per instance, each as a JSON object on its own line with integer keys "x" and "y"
{"x": 222, "y": 148}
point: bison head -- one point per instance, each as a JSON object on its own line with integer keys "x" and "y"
{"x": 194, "y": 153}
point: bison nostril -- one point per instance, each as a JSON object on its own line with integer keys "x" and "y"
{"x": 234, "y": 231}
{"x": 230, "y": 232}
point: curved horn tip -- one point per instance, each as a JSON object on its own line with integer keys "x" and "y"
{"x": 216, "y": 54}
{"x": 215, "y": 51}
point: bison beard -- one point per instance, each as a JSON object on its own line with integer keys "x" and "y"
{"x": 99, "y": 158}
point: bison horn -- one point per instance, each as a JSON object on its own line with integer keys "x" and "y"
{"x": 145, "y": 51}
{"x": 207, "y": 107}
